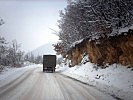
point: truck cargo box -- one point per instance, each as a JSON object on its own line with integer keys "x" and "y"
{"x": 49, "y": 63}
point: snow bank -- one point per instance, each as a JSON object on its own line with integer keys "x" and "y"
{"x": 116, "y": 80}
{"x": 10, "y": 74}
{"x": 61, "y": 68}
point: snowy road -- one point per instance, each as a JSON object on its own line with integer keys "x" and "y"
{"x": 36, "y": 85}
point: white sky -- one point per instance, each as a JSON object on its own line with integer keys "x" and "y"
{"x": 28, "y": 21}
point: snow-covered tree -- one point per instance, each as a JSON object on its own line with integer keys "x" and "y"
{"x": 10, "y": 53}
{"x": 116, "y": 13}
{"x": 93, "y": 19}
{"x": 39, "y": 60}
{"x": 3, "y": 51}
{"x": 60, "y": 48}
{"x": 15, "y": 54}
{"x": 33, "y": 59}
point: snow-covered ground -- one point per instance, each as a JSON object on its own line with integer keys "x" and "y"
{"x": 10, "y": 74}
{"x": 116, "y": 80}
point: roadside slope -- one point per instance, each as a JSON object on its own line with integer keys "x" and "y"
{"x": 116, "y": 79}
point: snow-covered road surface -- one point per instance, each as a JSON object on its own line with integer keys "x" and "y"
{"x": 36, "y": 85}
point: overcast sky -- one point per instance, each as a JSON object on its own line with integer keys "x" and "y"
{"x": 29, "y": 21}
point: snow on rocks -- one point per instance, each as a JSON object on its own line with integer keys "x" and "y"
{"x": 76, "y": 42}
{"x": 117, "y": 80}
{"x": 125, "y": 29}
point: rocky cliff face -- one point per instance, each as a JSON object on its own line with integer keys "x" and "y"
{"x": 115, "y": 49}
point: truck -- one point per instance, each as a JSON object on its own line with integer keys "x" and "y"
{"x": 49, "y": 63}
